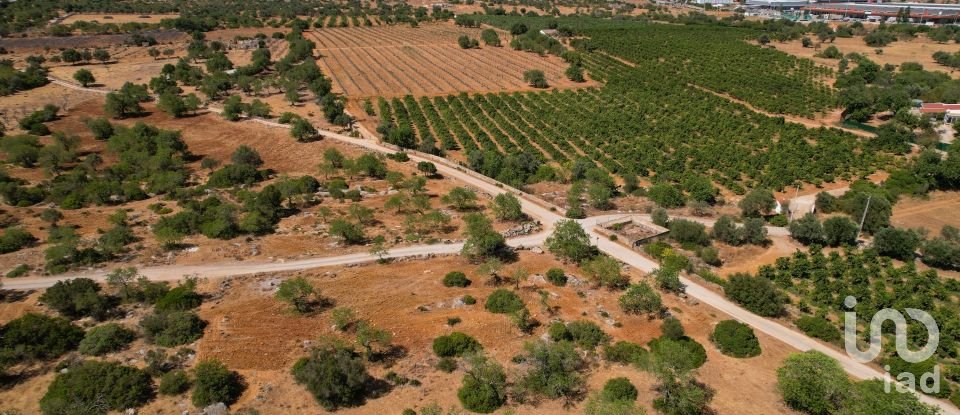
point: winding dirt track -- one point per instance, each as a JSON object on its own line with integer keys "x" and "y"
{"x": 545, "y": 212}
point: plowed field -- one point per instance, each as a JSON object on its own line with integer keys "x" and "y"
{"x": 395, "y": 60}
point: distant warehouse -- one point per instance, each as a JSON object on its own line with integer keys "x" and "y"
{"x": 778, "y": 4}
{"x": 715, "y": 2}
{"x": 918, "y": 12}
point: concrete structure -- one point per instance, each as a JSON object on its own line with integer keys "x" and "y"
{"x": 715, "y": 2}
{"x": 919, "y": 12}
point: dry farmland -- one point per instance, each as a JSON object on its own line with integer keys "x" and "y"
{"x": 394, "y": 61}
{"x": 932, "y": 214}
{"x": 117, "y": 18}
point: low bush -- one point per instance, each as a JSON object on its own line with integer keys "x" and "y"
{"x": 735, "y": 339}
{"x": 172, "y": 329}
{"x": 820, "y": 328}
{"x": 557, "y": 277}
{"x": 455, "y": 279}
{"x": 756, "y": 294}
{"x": 101, "y": 385}
{"x": 174, "y": 382}
{"x": 682, "y": 355}
{"x": 447, "y": 365}
{"x": 558, "y": 332}
{"x": 336, "y": 378}
{"x": 104, "y": 339}
{"x": 76, "y": 298}
{"x": 587, "y": 334}
{"x": 627, "y": 353}
{"x": 36, "y": 336}
{"x": 503, "y": 301}
{"x": 181, "y": 298}
{"x": 213, "y": 382}
{"x": 455, "y": 344}
{"x": 619, "y": 389}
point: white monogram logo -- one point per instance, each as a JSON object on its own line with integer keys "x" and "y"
{"x": 929, "y": 382}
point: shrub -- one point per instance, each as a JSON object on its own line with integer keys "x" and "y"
{"x": 587, "y": 334}
{"x": 36, "y": 336}
{"x": 455, "y": 344}
{"x": 535, "y": 78}
{"x": 839, "y": 230}
{"x": 336, "y": 378}
{"x": 639, "y": 299}
{"x": 807, "y": 230}
{"x": 570, "y": 241}
{"x": 554, "y": 370}
{"x": 455, "y": 279}
{"x": 819, "y": 327}
{"x": 18, "y": 271}
{"x": 343, "y": 318}
{"x": 484, "y": 386}
{"x": 812, "y": 382}
{"x": 447, "y": 365}
{"x": 181, "y": 298}
{"x": 681, "y": 355}
{"x": 557, "y": 277}
{"x": 896, "y": 243}
{"x": 672, "y": 329}
{"x": 102, "y": 385}
{"x": 213, "y": 382}
{"x": 666, "y": 195}
{"x": 606, "y": 272}
{"x": 14, "y": 239}
{"x": 297, "y": 292}
{"x": 619, "y": 389}
{"x": 558, "y": 332}
{"x": 735, "y": 339}
{"x": 77, "y": 298}
{"x": 503, "y": 301}
{"x": 688, "y": 232}
{"x": 105, "y": 339}
{"x": 469, "y": 300}
{"x": 172, "y": 329}
{"x": 627, "y": 353}
{"x": 174, "y": 382}
{"x": 756, "y": 294}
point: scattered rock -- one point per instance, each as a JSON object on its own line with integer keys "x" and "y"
{"x": 537, "y": 250}
{"x": 218, "y": 408}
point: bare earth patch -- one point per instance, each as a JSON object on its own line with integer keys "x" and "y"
{"x": 399, "y": 60}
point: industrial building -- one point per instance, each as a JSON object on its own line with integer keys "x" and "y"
{"x": 918, "y": 12}
{"x": 778, "y": 4}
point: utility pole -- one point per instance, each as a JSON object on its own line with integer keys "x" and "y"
{"x": 795, "y": 195}
{"x": 864, "y": 217}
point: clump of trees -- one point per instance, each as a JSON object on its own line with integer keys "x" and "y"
{"x": 103, "y": 385}
{"x": 813, "y": 383}
{"x": 466, "y": 42}
{"x": 756, "y": 293}
{"x": 37, "y": 337}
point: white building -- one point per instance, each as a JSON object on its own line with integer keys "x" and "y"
{"x": 714, "y": 2}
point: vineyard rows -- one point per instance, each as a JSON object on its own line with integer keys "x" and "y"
{"x": 642, "y": 122}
